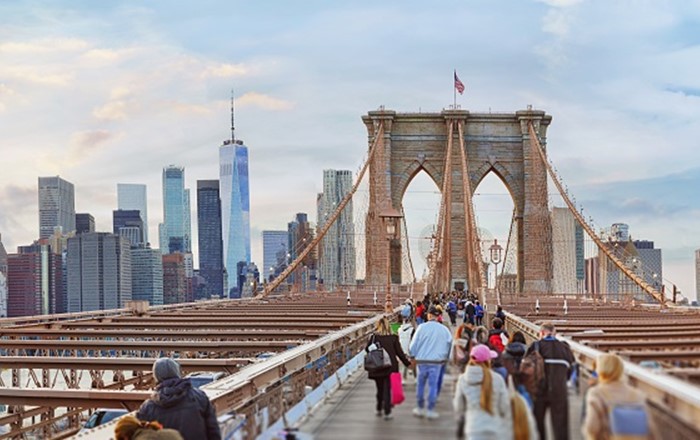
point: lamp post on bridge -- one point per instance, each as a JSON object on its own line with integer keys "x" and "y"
{"x": 495, "y": 252}
{"x": 390, "y": 218}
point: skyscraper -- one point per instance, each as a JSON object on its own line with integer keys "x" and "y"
{"x": 56, "y": 206}
{"x": 99, "y": 272}
{"x": 211, "y": 251}
{"x": 3, "y": 295}
{"x": 274, "y": 253}
{"x": 147, "y": 275}
{"x": 128, "y": 224}
{"x": 84, "y": 223}
{"x": 174, "y": 279}
{"x": 134, "y": 196}
{"x": 697, "y": 274}
{"x": 651, "y": 262}
{"x": 301, "y": 233}
{"x": 175, "y": 230}
{"x": 34, "y": 280}
{"x": 567, "y": 258}
{"x": 235, "y": 205}
{"x": 3, "y": 257}
{"x": 336, "y": 260}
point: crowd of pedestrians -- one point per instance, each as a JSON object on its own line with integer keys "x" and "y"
{"x": 505, "y": 387}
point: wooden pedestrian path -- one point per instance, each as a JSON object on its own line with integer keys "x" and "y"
{"x": 349, "y": 414}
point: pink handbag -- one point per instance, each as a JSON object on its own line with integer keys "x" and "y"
{"x": 397, "y": 396}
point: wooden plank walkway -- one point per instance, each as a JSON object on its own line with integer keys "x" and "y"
{"x": 349, "y": 414}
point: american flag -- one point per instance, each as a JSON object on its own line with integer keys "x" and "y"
{"x": 458, "y": 84}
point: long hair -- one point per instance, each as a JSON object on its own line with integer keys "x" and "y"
{"x": 383, "y": 327}
{"x": 521, "y": 424}
{"x": 486, "y": 385}
{"x": 610, "y": 367}
{"x": 128, "y": 426}
{"x": 481, "y": 335}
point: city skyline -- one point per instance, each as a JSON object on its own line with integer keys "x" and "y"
{"x": 110, "y": 83}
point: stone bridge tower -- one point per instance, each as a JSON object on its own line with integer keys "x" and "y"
{"x": 494, "y": 142}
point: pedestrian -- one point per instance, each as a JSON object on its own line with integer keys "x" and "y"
{"x": 383, "y": 337}
{"x": 129, "y": 427}
{"x": 452, "y": 312}
{"x": 498, "y": 337}
{"x": 479, "y": 312}
{"x": 462, "y": 344}
{"x": 176, "y": 404}
{"x": 420, "y": 311}
{"x": 481, "y": 335}
{"x": 430, "y": 348}
{"x": 511, "y": 358}
{"x": 553, "y": 395}
{"x": 407, "y": 310}
{"x": 481, "y": 397}
{"x": 470, "y": 310}
{"x": 610, "y": 399}
{"x": 501, "y": 314}
{"x": 405, "y": 335}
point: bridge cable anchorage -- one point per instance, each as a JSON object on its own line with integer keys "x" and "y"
{"x": 378, "y": 140}
{"x": 636, "y": 279}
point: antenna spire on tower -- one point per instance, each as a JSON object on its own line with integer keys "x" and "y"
{"x": 233, "y": 127}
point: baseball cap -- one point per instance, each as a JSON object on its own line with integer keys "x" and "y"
{"x": 482, "y": 353}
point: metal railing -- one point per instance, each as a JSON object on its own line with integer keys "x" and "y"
{"x": 263, "y": 392}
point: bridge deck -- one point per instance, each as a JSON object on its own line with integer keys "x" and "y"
{"x": 349, "y": 414}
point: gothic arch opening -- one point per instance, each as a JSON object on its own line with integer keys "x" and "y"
{"x": 421, "y": 202}
{"x": 493, "y": 207}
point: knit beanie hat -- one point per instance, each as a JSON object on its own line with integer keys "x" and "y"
{"x": 165, "y": 368}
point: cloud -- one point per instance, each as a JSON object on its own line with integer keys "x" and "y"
{"x": 225, "y": 71}
{"x": 33, "y": 74}
{"x": 85, "y": 143}
{"x": 561, "y": 3}
{"x": 266, "y": 102}
{"x": 44, "y": 46}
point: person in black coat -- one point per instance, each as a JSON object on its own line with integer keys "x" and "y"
{"x": 383, "y": 337}
{"x": 176, "y": 404}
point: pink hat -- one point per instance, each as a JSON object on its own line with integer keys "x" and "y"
{"x": 481, "y": 353}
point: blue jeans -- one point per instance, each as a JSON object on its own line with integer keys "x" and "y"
{"x": 441, "y": 376}
{"x": 427, "y": 373}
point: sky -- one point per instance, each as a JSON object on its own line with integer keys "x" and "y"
{"x": 102, "y": 93}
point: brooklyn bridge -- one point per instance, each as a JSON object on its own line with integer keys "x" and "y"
{"x": 291, "y": 358}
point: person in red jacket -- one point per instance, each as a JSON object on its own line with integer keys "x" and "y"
{"x": 420, "y": 312}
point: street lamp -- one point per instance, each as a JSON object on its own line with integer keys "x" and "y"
{"x": 495, "y": 252}
{"x": 390, "y": 218}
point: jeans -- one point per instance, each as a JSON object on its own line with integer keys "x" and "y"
{"x": 428, "y": 374}
{"x": 443, "y": 367}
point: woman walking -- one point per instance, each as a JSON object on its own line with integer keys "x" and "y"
{"x": 483, "y": 396}
{"x": 383, "y": 337}
{"x": 613, "y": 408}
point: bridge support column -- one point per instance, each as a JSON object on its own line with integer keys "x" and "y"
{"x": 535, "y": 230}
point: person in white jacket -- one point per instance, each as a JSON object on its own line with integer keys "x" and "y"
{"x": 482, "y": 397}
{"x": 405, "y": 333}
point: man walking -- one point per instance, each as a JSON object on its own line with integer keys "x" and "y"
{"x": 430, "y": 349}
{"x": 553, "y": 394}
{"x": 176, "y": 404}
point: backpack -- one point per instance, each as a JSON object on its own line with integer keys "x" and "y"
{"x": 532, "y": 371}
{"x": 496, "y": 343}
{"x": 628, "y": 421}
